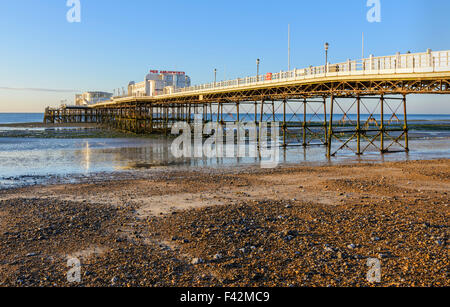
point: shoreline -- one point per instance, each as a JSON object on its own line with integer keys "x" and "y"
{"x": 42, "y": 125}
{"x": 293, "y": 226}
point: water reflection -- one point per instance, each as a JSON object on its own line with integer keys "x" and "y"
{"x": 21, "y": 158}
{"x": 87, "y": 158}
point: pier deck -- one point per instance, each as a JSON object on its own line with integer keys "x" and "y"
{"x": 298, "y": 100}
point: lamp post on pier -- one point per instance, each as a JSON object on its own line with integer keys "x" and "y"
{"x": 326, "y": 56}
{"x": 215, "y": 76}
{"x": 258, "y": 61}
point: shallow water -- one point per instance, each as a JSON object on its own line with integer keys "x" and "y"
{"x": 34, "y": 160}
{"x": 39, "y": 155}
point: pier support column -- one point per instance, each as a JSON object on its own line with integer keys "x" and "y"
{"x": 382, "y": 150}
{"x": 261, "y": 120}
{"x": 405, "y": 125}
{"x": 304, "y": 123}
{"x": 284, "y": 124}
{"x": 358, "y": 125}
{"x": 151, "y": 118}
{"x": 325, "y": 121}
{"x": 330, "y": 127}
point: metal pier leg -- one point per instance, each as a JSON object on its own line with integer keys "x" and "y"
{"x": 165, "y": 112}
{"x": 325, "y": 119}
{"x": 256, "y": 113}
{"x": 358, "y": 125}
{"x": 189, "y": 114}
{"x": 382, "y": 124}
{"x": 261, "y": 118}
{"x": 330, "y": 127}
{"x": 273, "y": 111}
{"x": 405, "y": 126}
{"x": 284, "y": 123}
{"x": 304, "y": 122}
{"x": 151, "y": 118}
{"x": 210, "y": 112}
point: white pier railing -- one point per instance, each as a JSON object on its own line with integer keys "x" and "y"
{"x": 396, "y": 64}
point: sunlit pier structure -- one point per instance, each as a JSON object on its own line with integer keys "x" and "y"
{"x": 366, "y": 99}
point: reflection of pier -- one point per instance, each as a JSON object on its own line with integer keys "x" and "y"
{"x": 297, "y": 99}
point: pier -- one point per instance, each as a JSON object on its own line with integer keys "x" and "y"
{"x": 297, "y": 99}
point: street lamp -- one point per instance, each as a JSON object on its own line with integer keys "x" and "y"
{"x": 215, "y": 76}
{"x": 326, "y": 56}
{"x": 257, "y": 69}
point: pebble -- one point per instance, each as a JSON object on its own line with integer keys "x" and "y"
{"x": 328, "y": 248}
{"x": 218, "y": 256}
{"x": 196, "y": 261}
{"x": 383, "y": 255}
{"x": 114, "y": 280}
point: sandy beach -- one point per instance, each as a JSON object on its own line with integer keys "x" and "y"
{"x": 292, "y": 226}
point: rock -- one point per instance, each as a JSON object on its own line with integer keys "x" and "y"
{"x": 351, "y": 246}
{"x": 383, "y": 255}
{"x": 288, "y": 238}
{"x": 114, "y": 280}
{"x": 218, "y": 256}
{"x": 328, "y": 248}
{"x": 375, "y": 239}
{"x": 256, "y": 276}
{"x": 439, "y": 242}
{"x": 196, "y": 261}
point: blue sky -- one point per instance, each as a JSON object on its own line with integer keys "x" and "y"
{"x": 118, "y": 41}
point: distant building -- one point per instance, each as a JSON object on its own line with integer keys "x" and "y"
{"x": 159, "y": 82}
{"x": 88, "y": 98}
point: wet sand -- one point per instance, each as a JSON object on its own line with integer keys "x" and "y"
{"x": 292, "y": 226}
